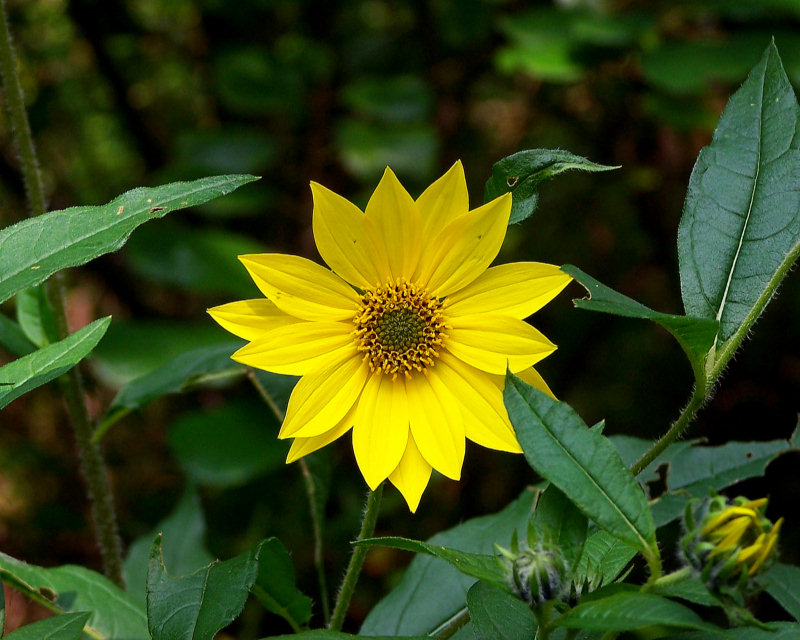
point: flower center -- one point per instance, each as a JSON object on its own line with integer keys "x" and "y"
{"x": 399, "y": 328}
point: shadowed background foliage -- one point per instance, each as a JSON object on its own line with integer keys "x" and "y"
{"x": 143, "y": 92}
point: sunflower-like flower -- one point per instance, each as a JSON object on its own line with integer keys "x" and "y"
{"x": 407, "y": 339}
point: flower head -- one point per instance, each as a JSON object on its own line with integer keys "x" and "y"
{"x": 407, "y": 338}
{"x": 729, "y": 541}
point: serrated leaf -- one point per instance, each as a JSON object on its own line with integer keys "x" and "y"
{"x": 431, "y": 592}
{"x": 782, "y": 582}
{"x": 34, "y": 249}
{"x": 482, "y": 566}
{"x": 13, "y": 338}
{"x": 275, "y": 585}
{"x": 46, "y": 364}
{"x": 497, "y": 615}
{"x": 523, "y": 172}
{"x": 184, "y": 547}
{"x": 690, "y": 589}
{"x": 695, "y": 335}
{"x": 197, "y": 606}
{"x": 68, "y": 589}
{"x": 65, "y": 627}
{"x": 562, "y": 523}
{"x": 174, "y": 376}
{"x": 582, "y": 463}
{"x": 741, "y": 219}
{"x": 603, "y": 559}
{"x": 630, "y": 610}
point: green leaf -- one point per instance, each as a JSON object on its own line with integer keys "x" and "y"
{"x": 34, "y": 249}
{"x": 582, "y": 463}
{"x": 630, "y": 610}
{"x": 275, "y": 585}
{"x": 2, "y": 611}
{"x": 13, "y": 338}
{"x": 245, "y": 448}
{"x": 741, "y": 220}
{"x": 695, "y": 335}
{"x": 782, "y": 582}
{"x": 562, "y": 522}
{"x": 778, "y": 631}
{"x": 174, "y": 376}
{"x": 66, "y": 627}
{"x": 603, "y": 559}
{"x": 44, "y": 365}
{"x": 184, "y": 548}
{"x": 34, "y": 315}
{"x": 67, "y": 589}
{"x": 431, "y": 592}
{"x": 481, "y": 566}
{"x": 523, "y": 172}
{"x": 690, "y": 589}
{"x": 197, "y": 606}
{"x": 497, "y": 615}
{"x": 324, "y": 634}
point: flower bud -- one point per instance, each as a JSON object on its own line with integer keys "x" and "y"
{"x": 537, "y": 573}
{"x": 728, "y": 542}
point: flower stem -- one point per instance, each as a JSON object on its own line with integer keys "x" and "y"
{"x": 356, "y": 560}
{"x": 671, "y": 578}
{"x": 92, "y": 462}
{"x": 314, "y": 506}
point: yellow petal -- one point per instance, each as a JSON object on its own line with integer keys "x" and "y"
{"x": 412, "y": 475}
{"x": 465, "y": 248}
{"x": 444, "y": 201}
{"x": 250, "y": 319}
{"x": 322, "y": 398}
{"x": 532, "y": 377}
{"x": 347, "y": 240}
{"x": 495, "y": 343}
{"x": 299, "y": 348}
{"x": 303, "y": 446}
{"x": 392, "y": 212}
{"x": 724, "y": 516}
{"x": 485, "y": 417}
{"x": 436, "y": 424}
{"x": 380, "y": 432}
{"x": 300, "y": 287}
{"x": 517, "y": 290}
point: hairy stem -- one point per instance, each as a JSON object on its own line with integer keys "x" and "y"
{"x": 314, "y": 506}
{"x": 356, "y": 560}
{"x": 92, "y": 462}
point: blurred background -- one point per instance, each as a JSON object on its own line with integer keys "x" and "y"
{"x": 123, "y": 93}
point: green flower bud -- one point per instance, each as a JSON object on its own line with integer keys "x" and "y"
{"x": 537, "y": 573}
{"x": 728, "y": 542}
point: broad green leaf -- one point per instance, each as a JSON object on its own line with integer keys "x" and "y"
{"x": 582, "y": 463}
{"x": 68, "y": 589}
{"x": 197, "y": 606}
{"x": 695, "y": 335}
{"x": 175, "y": 376}
{"x": 777, "y": 631}
{"x": 324, "y": 634}
{"x": 630, "y": 610}
{"x": 35, "y": 316}
{"x": 741, "y": 220}
{"x": 523, "y": 172}
{"x": 690, "y": 589}
{"x": 497, "y": 615}
{"x": 562, "y": 522}
{"x": 13, "y": 338}
{"x": 183, "y": 547}
{"x": 603, "y": 559}
{"x": 431, "y": 592}
{"x": 34, "y": 249}
{"x": 481, "y": 566}
{"x": 275, "y": 585}
{"x": 46, "y": 364}
{"x": 782, "y": 582}
{"x": 65, "y": 627}
{"x": 245, "y": 448}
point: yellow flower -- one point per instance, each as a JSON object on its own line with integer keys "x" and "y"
{"x": 407, "y": 339}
